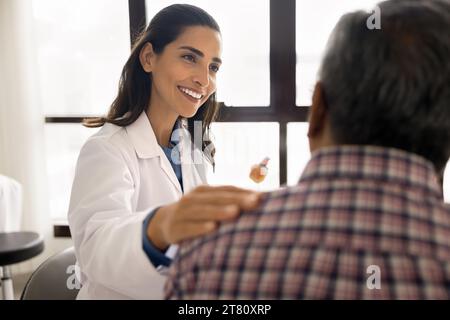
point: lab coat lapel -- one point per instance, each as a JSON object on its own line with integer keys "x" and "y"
{"x": 144, "y": 141}
{"x": 167, "y": 168}
{"x": 193, "y": 174}
{"x": 193, "y": 166}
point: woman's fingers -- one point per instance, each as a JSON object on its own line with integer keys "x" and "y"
{"x": 207, "y": 188}
{"x": 244, "y": 199}
{"x": 211, "y": 212}
{"x": 194, "y": 229}
{"x": 200, "y": 212}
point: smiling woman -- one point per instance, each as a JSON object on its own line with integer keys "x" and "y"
{"x": 127, "y": 210}
{"x": 184, "y": 74}
{"x": 179, "y": 48}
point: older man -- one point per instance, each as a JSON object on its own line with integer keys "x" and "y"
{"x": 367, "y": 218}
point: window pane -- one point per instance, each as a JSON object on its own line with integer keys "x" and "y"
{"x": 63, "y": 143}
{"x": 238, "y": 147}
{"x": 297, "y": 150}
{"x": 81, "y": 48}
{"x": 312, "y": 34}
{"x": 244, "y": 78}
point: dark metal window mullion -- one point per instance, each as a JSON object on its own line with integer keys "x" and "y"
{"x": 282, "y": 72}
{"x": 138, "y": 18}
{"x": 282, "y": 55}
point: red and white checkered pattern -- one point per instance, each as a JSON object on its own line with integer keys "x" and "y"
{"x": 353, "y": 207}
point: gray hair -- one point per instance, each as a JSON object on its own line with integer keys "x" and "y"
{"x": 391, "y": 86}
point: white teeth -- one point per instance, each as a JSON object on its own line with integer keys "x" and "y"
{"x": 191, "y": 93}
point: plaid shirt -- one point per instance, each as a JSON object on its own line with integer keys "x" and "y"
{"x": 358, "y": 215}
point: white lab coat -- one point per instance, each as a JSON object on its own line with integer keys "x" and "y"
{"x": 121, "y": 175}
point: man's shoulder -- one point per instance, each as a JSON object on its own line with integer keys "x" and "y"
{"x": 278, "y": 199}
{"x": 270, "y": 215}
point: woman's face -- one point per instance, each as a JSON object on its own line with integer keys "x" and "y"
{"x": 184, "y": 73}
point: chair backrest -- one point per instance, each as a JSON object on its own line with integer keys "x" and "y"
{"x": 54, "y": 279}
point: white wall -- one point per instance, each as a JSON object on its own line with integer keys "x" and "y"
{"x": 22, "y": 155}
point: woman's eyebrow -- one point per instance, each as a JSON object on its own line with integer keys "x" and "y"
{"x": 199, "y": 53}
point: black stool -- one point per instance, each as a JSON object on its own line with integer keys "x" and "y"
{"x": 16, "y": 247}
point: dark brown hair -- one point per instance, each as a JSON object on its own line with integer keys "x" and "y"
{"x": 135, "y": 84}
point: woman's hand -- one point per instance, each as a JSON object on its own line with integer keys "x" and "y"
{"x": 198, "y": 213}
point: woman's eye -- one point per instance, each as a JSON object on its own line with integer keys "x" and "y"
{"x": 214, "y": 68}
{"x": 189, "y": 57}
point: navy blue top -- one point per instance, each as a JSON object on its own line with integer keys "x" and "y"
{"x": 157, "y": 257}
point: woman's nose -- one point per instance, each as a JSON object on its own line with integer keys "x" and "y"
{"x": 202, "y": 77}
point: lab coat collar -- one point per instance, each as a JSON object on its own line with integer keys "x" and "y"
{"x": 146, "y": 146}
{"x": 143, "y": 138}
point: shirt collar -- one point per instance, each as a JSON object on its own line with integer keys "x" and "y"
{"x": 386, "y": 165}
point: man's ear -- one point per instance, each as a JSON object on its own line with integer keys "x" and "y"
{"x": 317, "y": 112}
{"x": 146, "y": 57}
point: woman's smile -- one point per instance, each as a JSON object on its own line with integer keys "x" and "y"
{"x": 190, "y": 94}
{"x": 190, "y": 63}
